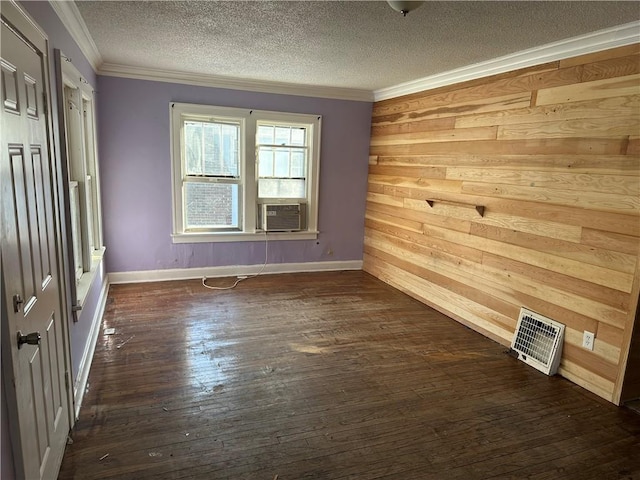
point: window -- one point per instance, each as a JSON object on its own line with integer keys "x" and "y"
{"x": 230, "y": 164}
{"x": 211, "y": 175}
{"x": 282, "y": 161}
{"x": 77, "y": 131}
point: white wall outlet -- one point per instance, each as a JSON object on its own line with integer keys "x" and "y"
{"x": 587, "y": 340}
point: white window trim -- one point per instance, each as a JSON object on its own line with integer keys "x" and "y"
{"x": 249, "y": 191}
{"x": 83, "y": 171}
{"x": 76, "y": 231}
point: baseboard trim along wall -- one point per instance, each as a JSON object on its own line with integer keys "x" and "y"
{"x": 80, "y": 385}
{"x": 230, "y": 271}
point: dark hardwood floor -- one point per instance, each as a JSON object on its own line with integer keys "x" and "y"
{"x": 326, "y": 376}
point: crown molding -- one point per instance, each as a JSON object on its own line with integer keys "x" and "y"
{"x": 618, "y": 36}
{"x": 216, "y": 81}
{"x": 74, "y": 23}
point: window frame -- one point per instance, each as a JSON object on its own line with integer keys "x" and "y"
{"x": 248, "y": 202}
{"x": 186, "y": 178}
{"x": 308, "y": 161}
{"x": 78, "y": 139}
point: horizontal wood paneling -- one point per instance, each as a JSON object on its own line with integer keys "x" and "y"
{"x": 589, "y": 109}
{"x": 607, "y": 88}
{"x": 553, "y": 156}
{"x": 605, "y": 55}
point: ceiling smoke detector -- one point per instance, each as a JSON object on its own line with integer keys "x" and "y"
{"x": 404, "y": 7}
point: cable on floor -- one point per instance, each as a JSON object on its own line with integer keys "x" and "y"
{"x": 242, "y": 278}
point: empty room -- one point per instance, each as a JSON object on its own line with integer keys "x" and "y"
{"x": 320, "y": 239}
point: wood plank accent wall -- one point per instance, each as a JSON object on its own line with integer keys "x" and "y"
{"x": 552, "y": 153}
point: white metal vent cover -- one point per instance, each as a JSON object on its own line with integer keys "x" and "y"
{"x": 538, "y": 341}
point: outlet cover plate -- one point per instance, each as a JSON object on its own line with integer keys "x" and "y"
{"x": 587, "y": 340}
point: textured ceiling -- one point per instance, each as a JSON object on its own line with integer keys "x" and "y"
{"x": 352, "y": 44}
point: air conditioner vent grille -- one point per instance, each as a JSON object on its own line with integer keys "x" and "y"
{"x": 281, "y": 217}
{"x": 538, "y": 341}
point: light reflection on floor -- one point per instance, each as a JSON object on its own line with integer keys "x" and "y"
{"x": 208, "y": 361}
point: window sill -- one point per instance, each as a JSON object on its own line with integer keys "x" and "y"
{"x": 241, "y": 236}
{"x": 83, "y": 285}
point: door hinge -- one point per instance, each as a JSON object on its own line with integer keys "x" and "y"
{"x": 66, "y": 379}
{"x": 44, "y": 101}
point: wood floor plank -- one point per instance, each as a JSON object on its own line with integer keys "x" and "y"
{"x": 325, "y": 376}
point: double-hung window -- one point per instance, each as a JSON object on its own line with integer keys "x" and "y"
{"x": 76, "y": 102}
{"x": 239, "y": 172}
{"x": 211, "y": 174}
{"x": 282, "y": 161}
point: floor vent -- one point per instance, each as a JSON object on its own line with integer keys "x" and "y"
{"x": 538, "y": 341}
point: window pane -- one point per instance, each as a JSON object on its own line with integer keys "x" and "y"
{"x": 265, "y": 134}
{"x": 298, "y": 136}
{"x": 282, "y": 163}
{"x": 283, "y": 136}
{"x": 211, "y": 205}
{"x": 281, "y": 188}
{"x": 298, "y": 169}
{"x": 211, "y": 149}
{"x": 265, "y": 162}
{"x": 193, "y": 148}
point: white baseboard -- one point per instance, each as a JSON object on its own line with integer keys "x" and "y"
{"x": 230, "y": 271}
{"x": 80, "y": 384}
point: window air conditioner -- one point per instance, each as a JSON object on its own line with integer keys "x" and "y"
{"x": 278, "y": 217}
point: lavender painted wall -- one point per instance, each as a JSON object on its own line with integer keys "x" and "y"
{"x": 59, "y": 38}
{"x": 135, "y": 165}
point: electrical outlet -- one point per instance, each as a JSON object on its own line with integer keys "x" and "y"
{"x": 587, "y": 340}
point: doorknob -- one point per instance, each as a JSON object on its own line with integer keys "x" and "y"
{"x": 30, "y": 339}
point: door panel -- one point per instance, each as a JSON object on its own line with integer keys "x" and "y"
{"x": 30, "y": 261}
{"x": 23, "y": 226}
{"x": 10, "y": 90}
{"x": 41, "y": 195}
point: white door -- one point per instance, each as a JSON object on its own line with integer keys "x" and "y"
{"x": 33, "y": 323}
